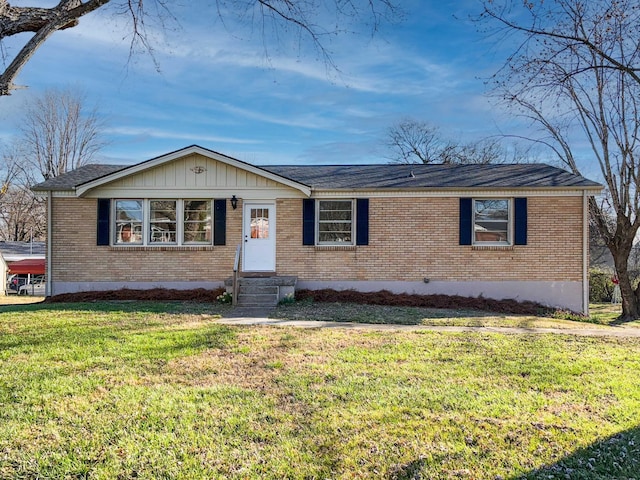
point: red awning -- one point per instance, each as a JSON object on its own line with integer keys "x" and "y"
{"x": 32, "y": 266}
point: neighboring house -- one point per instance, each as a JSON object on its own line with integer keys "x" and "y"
{"x": 499, "y": 231}
{"x": 21, "y": 258}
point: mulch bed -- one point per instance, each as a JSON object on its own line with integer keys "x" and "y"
{"x": 454, "y": 302}
{"x": 201, "y": 295}
{"x": 383, "y": 297}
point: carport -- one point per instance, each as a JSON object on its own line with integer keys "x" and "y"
{"x": 32, "y": 266}
{"x": 20, "y": 258}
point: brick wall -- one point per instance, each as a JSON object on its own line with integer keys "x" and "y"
{"x": 77, "y": 258}
{"x": 409, "y": 239}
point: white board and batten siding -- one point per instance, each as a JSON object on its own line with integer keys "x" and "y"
{"x": 195, "y": 176}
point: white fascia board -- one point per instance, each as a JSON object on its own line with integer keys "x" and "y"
{"x": 154, "y": 162}
{"x": 471, "y": 192}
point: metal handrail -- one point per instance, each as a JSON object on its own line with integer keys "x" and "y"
{"x": 236, "y": 267}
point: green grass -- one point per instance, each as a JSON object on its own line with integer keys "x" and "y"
{"x": 601, "y": 315}
{"x": 159, "y": 390}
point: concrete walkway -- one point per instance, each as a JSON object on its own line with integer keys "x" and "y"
{"x": 258, "y": 317}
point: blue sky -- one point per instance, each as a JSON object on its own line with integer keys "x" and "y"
{"x": 219, "y": 90}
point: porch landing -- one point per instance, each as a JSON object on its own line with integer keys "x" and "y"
{"x": 263, "y": 291}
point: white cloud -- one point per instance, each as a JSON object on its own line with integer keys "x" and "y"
{"x": 173, "y": 134}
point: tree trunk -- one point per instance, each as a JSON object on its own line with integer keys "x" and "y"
{"x": 630, "y": 298}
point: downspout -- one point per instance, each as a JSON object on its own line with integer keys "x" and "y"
{"x": 47, "y": 291}
{"x": 585, "y": 253}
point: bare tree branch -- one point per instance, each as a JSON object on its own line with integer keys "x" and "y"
{"x": 65, "y": 15}
{"x": 575, "y": 75}
{"x": 308, "y": 18}
{"x": 413, "y": 141}
{"x": 58, "y": 134}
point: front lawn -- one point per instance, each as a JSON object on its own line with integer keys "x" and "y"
{"x": 601, "y": 316}
{"x": 159, "y": 390}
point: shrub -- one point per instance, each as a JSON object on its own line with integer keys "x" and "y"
{"x": 600, "y": 286}
{"x": 226, "y": 297}
{"x": 288, "y": 299}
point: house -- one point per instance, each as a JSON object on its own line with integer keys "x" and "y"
{"x": 21, "y": 258}
{"x": 176, "y": 221}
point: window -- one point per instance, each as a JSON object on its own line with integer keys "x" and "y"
{"x": 162, "y": 222}
{"x": 335, "y": 222}
{"x": 197, "y": 221}
{"x": 491, "y": 220}
{"x": 260, "y": 223}
{"x": 129, "y": 218}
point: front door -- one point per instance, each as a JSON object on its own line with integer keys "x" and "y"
{"x": 259, "y": 252}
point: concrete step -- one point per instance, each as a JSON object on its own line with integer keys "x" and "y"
{"x": 256, "y": 300}
{"x": 287, "y": 281}
{"x": 254, "y": 289}
{"x": 262, "y": 291}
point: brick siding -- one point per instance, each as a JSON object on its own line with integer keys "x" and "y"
{"x": 77, "y": 258}
{"x": 409, "y": 239}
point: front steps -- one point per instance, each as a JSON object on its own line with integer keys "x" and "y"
{"x": 262, "y": 292}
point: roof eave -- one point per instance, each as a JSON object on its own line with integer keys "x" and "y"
{"x": 589, "y": 190}
{"x": 82, "y": 189}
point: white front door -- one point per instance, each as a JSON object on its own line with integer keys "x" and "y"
{"x": 259, "y": 225}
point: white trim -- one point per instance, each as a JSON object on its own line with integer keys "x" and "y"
{"x": 442, "y": 193}
{"x": 146, "y": 224}
{"x": 353, "y": 223}
{"x": 257, "y": 194}
{"x": 61, "y": 194}
{"x": 271, "y": 239}
{"x": 47, "y": 290}
{"x": 81, "y": 190}
{"x": 246, "y": 193}
{"x": 585, "y": 253}
{"x": 510, "y": 224}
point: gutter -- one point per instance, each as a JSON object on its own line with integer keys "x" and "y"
{"x": 47, "y": 291}
{"x": 585, "y": 253}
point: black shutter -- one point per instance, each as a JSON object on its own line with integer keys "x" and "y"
{"x": 466, "y": 220}
{"x": 308, "y": 221}
{"x": 104, "y": 221}
{"x": 520, "y": 221}
{"x": 362, "y": 221}
{"x": 220, "y": 221}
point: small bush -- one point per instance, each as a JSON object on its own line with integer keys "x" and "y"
{"x": 288, "y": 299}
{"x": 600, "y": 286}
{"x": 226, "y": 297}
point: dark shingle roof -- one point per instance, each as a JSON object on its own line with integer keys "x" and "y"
{"x": 434, "y": 176}
{"x": 72, "y": 179}
{"x": 382, "y": 176}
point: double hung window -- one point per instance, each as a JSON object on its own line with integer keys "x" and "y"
{"x": 197, "y": 221}
{"x": 491, "y": 221}
{"x": 129, "y": 217}
{"x": 335, "y": 222}
{"x": 162, "y": 221}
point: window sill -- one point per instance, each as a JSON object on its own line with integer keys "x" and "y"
{"x": 332, "y": 248}
{"x": 492, "y": 247}
{"x": 161, "y": 248}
